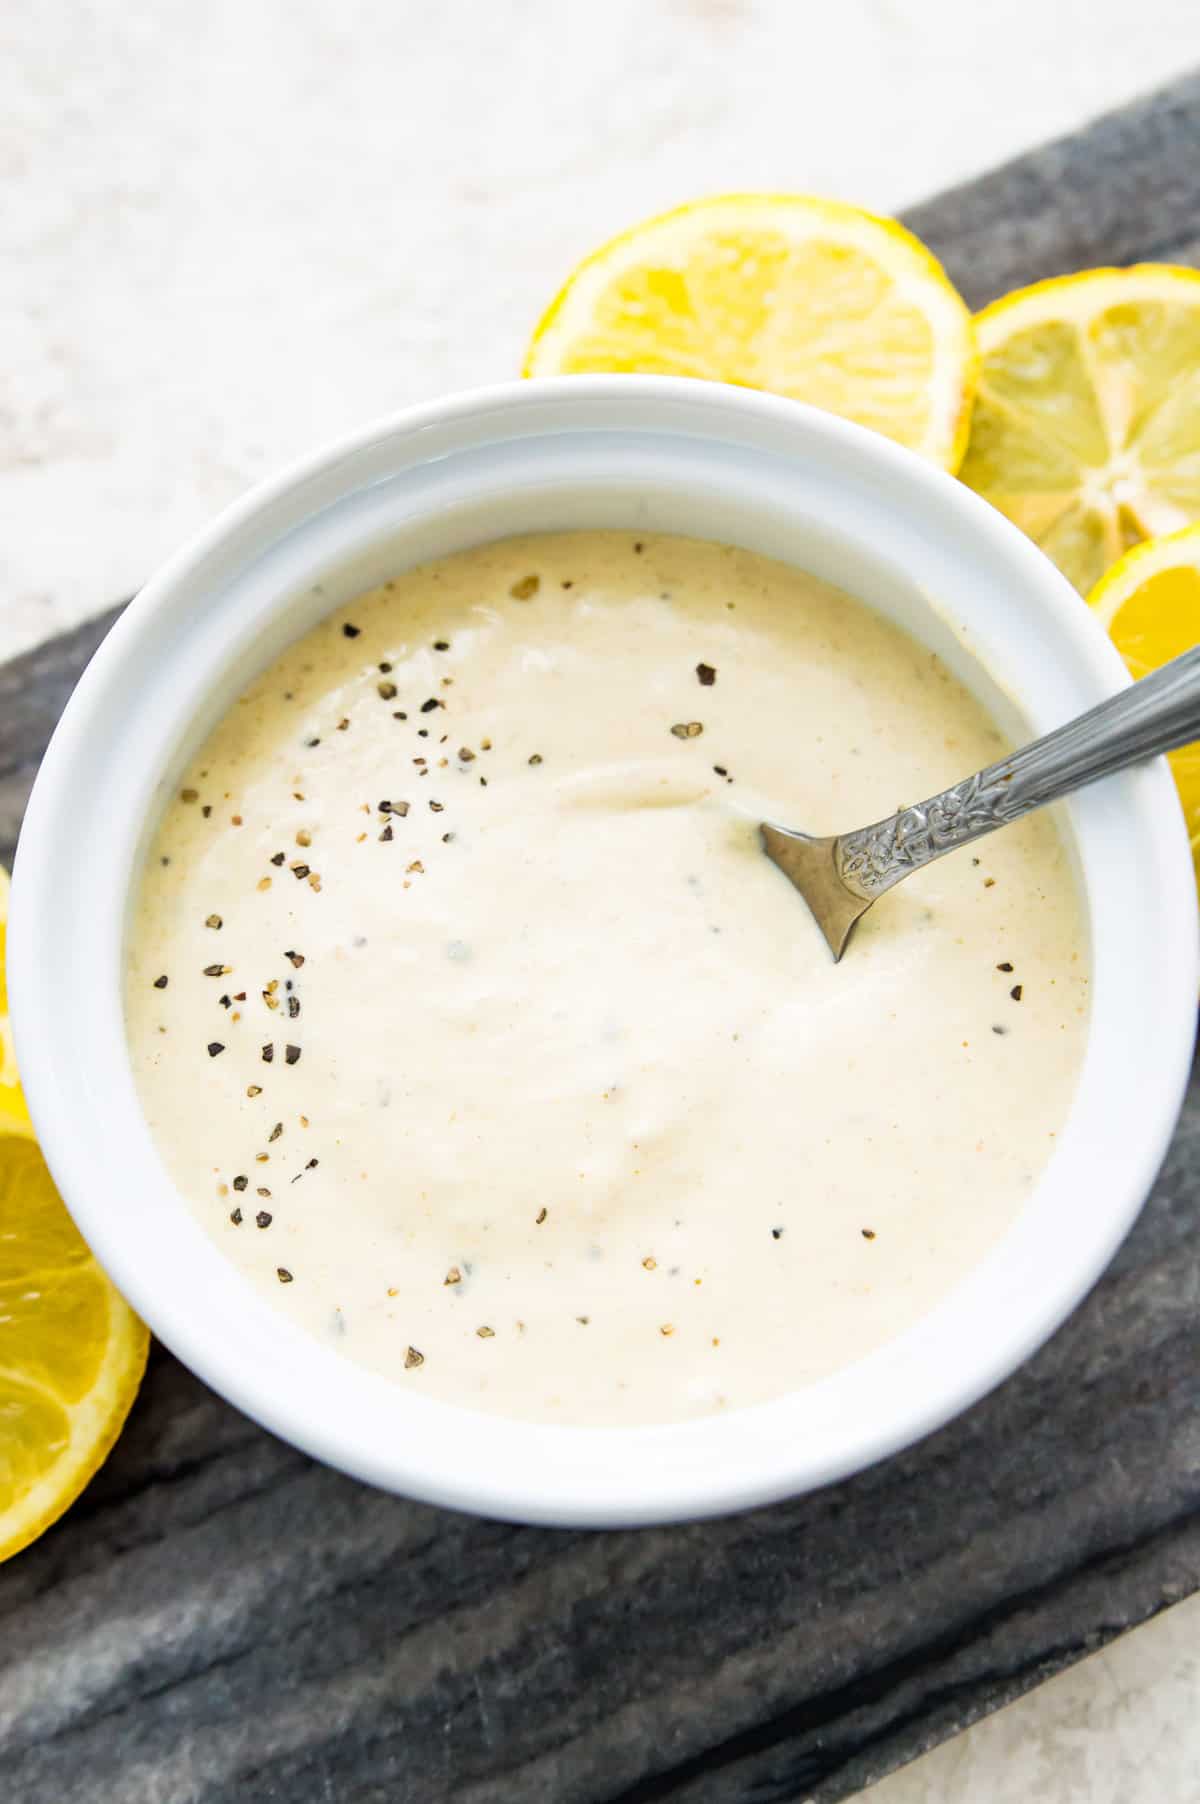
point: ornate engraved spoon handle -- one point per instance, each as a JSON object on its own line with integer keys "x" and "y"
{"x": 1155, "y": 715}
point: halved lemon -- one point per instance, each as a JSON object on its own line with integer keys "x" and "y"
{"x": 807, "y": 298}
{"x": 1086, "y": 428}
{"x": 72, "y": 1351}
{"x": 1150, "y": 604}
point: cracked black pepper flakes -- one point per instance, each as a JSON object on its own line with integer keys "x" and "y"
{"x": 291, "y": 1054}
{"x": 296, "y": 958}
{"x": 1017, "y": 991}
{"x": 1006, "y": 966}
{"x": 299, "y": 871}
{"x": 430, "y": 705}
{"x": 293, "y": 1007}
{"x": 536, "y": 758}
{"x": 283, "y": 1274}
{"x": 441, "y": 645}
{"x": 275, "y": 1131}
{"x": 351, "y": 632}
{"x": 214, "y": 921}
{"x": 160, "y": 983}
{"x": 263, "y": 1219}
{"x": 214, "y": 1047}
{"x": 268, "y": 1053}
{"x": 240, "y": 1182}
{"x": 413, "y": 1358}
{"x": 868, "y": 1233}
{"x": 235, "y": 1216}
{"x": 707, "y": 675}
{"x": 216, "y": 970}
{"x": 279, "y": 858}
{"x": 526, "y": 588}
{"x": 387, "y": 833}
{"x": 436, "y": 807}
{"x": 387, "y": 691}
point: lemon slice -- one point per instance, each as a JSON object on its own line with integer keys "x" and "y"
{"x": 1150, "y": 604}
{"x": 14, "y": 1116}
{"x": 807, "y": 298}
{"x": 71, "y": 1350}
{"x": 1086, "y": 429}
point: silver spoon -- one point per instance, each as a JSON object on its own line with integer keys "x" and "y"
{"x": 840, "y": 878}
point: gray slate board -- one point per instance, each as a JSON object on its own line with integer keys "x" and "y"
{"x": 219, "y": 1619}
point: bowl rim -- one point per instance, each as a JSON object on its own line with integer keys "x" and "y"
{"x": 557, "y": 1474}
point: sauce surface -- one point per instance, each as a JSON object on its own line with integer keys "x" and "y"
{"x": 474, "y": 1025}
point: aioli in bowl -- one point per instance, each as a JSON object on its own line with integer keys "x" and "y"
{"x": 473, "y": 1024}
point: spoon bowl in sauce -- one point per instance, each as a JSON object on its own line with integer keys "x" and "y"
{"x": 841, "y": 877}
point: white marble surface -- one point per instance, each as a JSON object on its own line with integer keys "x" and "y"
{"x": 232, "y": 230}
{"x": 237, "y": 228}
{"x": 1119, "y": 1728}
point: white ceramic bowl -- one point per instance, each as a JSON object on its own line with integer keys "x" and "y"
{"x": 661, "y": 455}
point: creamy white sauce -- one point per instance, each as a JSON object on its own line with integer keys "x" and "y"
{"x": 583, "y": 1124}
